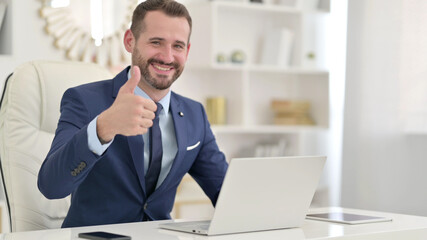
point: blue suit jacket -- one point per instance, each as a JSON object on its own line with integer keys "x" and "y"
{"x": 111, "y": 188}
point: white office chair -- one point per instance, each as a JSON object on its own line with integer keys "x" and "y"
{"x": 29, "y": 113}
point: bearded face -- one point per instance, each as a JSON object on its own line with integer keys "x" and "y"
{"x": 160, "y": 50}
{"x": 156, "y": 73}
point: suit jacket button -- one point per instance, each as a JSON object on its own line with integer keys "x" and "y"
{"x": 81, "y": 166}
{"x": 145, "y": 206}
{"x": 73, "y": 173}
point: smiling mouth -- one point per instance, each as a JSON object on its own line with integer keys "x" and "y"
{"x": 162, "y": 68}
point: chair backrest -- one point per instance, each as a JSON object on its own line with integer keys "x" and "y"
{"x": 29, "y": 114}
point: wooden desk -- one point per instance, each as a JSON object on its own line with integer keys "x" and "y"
{"x": 402, "y": 227}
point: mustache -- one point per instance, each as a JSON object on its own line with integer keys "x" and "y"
{"x": 172, "y": 64}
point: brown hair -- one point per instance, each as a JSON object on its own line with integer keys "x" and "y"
{"x": 169, "y": 7}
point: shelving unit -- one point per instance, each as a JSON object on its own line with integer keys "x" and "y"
{"x": 221, "y": 27}
{"x": 227, "y": 26}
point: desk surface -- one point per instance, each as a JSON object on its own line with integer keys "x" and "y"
{"x": 402, "y": 227}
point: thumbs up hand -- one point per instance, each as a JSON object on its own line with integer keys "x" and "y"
{"x": 129, "y": 115}
{"x": 130, "y": 85}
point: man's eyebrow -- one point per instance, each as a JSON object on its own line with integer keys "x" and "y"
{"x": 162, "y": 39}
{"x": 181, "y": 42}
{"x": 156, "y": 38}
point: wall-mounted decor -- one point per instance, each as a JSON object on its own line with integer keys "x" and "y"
{"x": 3, "y": 5}
{"x": 89, "y": 30}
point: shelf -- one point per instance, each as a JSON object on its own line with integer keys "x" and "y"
{"x": 290, "y": 70}
{"x": 265, "y": 129}
{"x": 317, "y": 11}
{"x": 260, "y": 68}
{"x": 229, "y": 26}
{"x": 241, "y": 6}
{"x": 223, "y": 27}
{"x": 267, "y": 7}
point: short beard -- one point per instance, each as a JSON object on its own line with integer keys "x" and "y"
{"x": 161, "y": 82}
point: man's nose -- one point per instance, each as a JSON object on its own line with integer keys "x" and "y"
{"x": 167, "y": 54}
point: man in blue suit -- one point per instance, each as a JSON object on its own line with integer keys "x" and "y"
{"x": 123, "y": 145}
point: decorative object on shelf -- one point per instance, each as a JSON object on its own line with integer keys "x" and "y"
{"x": 277, "y": 47}
{"x": 311, "y": 59}
{"x": 216, "y": 110}
{"x": 221, "y": 58}
{"x": 288, "y": 3}
{"x": 3, "y": 5}
{"x": 256, "y": 1}
{"x": 291, "y": 112}
{"x": 271, "y": 149}
{"x": 238, "y": 56}
{"x": 89, "y": 31}
{"x": 308, "y": 5}
{"x": 266, "y": 148}
{"x": 311, "y": 56}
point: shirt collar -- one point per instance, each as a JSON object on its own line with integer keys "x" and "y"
{"x": 165, "y": 101}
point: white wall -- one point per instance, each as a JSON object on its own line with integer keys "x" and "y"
{"x": 385, "y": 168}
{"x": 336, "y": 52}
{"x": 29, "y": 41}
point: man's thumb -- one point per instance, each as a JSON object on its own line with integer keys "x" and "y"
{"x": 130, "y": 85}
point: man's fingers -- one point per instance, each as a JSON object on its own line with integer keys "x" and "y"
{"x": 150, "y": 105}
{"x": 134, "y": 113}
{"x": 148, "y": 114}
{"x": 130, "y": 85}
{"x": 146, "y": 123}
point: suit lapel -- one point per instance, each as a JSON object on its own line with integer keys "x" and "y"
{"x": 181, "y": 139}
{"x": 119, "y": 80}
{"x": 136, "y": 143}
{"x": 136, "y": 147}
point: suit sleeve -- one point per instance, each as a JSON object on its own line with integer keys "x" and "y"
{"x": 69, "y": 160}
{"x": 210, "y": 166}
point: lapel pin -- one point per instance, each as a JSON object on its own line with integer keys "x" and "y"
{"x": 181, "y": 114}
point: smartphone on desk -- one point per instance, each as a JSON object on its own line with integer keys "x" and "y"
{"x": 103, "y": 236}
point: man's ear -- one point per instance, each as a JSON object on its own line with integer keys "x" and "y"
{"x": 129, "y": 41}
{"x": 188, "y": 48}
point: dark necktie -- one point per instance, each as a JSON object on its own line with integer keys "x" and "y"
{"x": 156, "y": 153}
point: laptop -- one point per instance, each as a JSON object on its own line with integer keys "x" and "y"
{"x": 261, "y": 194}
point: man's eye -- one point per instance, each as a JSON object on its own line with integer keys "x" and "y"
{"x": 155, "y": 43}
{"x": 179, "y": 46}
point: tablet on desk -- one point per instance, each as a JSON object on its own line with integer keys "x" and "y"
{"x": 347, "y": 218}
